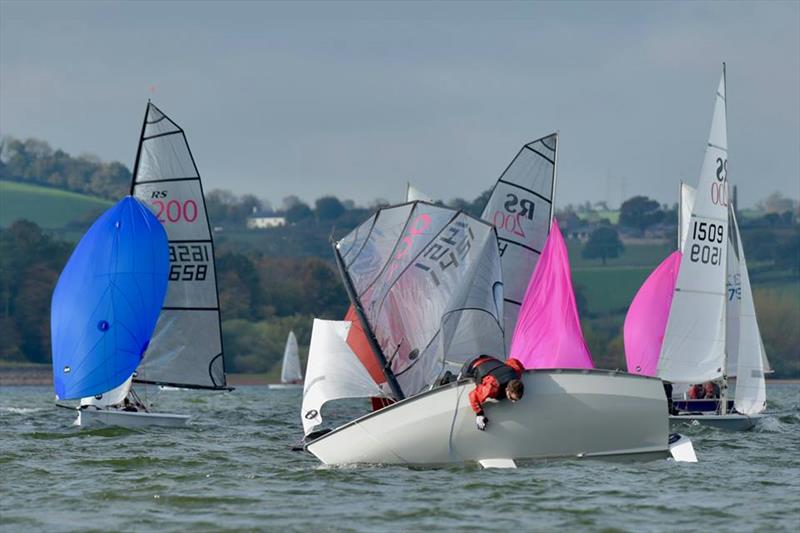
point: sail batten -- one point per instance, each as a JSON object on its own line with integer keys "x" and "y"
{"x": 521, "y": 208}
{"x": 186, "y": 349}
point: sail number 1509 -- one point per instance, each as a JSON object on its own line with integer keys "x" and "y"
{"x": 708, "y": 252}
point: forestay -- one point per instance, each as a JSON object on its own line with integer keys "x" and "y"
{"x": 521, "y": 208}
{"x": 751, "y": 394}
{"x": 694, "y": 342}
{"x": 107, "y": 300}
{"x": 290, "y": 370}
{"x": 186, "y": 350}
{"x": 333, "y": 371}
{"x": 429, "y": 282}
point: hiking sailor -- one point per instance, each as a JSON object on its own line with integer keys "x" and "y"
{"x": 495, "y": 379}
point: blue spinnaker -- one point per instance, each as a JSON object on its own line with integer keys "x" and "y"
{"x": 107, "y": 301}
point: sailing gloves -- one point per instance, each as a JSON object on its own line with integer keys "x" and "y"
{"x": 481, "y": 422}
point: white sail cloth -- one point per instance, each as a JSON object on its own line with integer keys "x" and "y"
{"x": 751, "y": 393}
{"x": 521, "y": 208}
{"x": 113, "y": 397}
{"x": 290, "y": 370}
{"x": 694, "y": 341}
{"x": 333, "y": 371}
{"x": 735, "y": 290}
{"x": 413, "y": 194}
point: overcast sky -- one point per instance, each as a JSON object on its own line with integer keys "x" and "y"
{"x": 355, "y": 99}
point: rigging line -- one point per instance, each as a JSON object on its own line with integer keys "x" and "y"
{"x": 540, "y": 154}
{"x": 511, "y": 241}
{"x": 518, "y": 186}
{"x": 138, "y": 159}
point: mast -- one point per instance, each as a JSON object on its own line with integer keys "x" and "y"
{"x": 373, "y": 342}
{"x": 723, "y": 393}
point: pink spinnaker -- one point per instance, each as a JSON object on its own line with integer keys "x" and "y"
{"x": 647, "y": 317}
{"x": 548, "y": 332}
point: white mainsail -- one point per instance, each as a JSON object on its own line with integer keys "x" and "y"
{"x": 413, "y": 194}
{"x": 186, "y": 349}
{"x": 693, "y": 350}
{"x": 333, "y": 371}
{"x": 521, "y": 208}
{"x": 290, "y": 370}
{"x": 735, "y": 265}
{"x": 751, "y": 393}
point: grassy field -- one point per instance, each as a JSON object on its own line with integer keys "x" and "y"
{"x": 49, "y": 208}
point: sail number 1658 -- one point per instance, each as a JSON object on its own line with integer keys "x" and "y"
{"x": 708, "y": 252}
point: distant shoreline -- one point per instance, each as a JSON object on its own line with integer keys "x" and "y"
{"x": 29, "y": 374}
{"x": 33, "y": 374}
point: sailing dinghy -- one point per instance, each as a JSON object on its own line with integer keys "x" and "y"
{"x": 291, "y": 373}
{"x": 425, "y": 282}
{"x": 103, "y": 314}
{"x": 186, "y": 350}
{"x": 693, "y": 320}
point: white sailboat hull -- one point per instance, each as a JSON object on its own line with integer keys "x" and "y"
{"x": 729, "y": 422}
{"x": 564, "y": 413}
{"x": 128, "y": 419}
{"x": 283, "y": 386}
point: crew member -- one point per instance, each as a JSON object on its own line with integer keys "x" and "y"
{"x": 495, "y": 379}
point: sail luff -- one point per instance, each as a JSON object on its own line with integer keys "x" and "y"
{"x": 694, "y": 341}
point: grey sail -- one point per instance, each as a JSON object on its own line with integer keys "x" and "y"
{"x": 521, "y": 208}
{"x": 290, "y": 369}
{"x": 186, "y": 349}
{"x": 427, "y": 280}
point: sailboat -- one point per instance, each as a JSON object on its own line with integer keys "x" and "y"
{"x": 186, "y": 350}
{"x": 291, "y": 373}
{"x": 104, "y": 312}
{"x": 693, "y": 320}
{"x": 425, "y": 282}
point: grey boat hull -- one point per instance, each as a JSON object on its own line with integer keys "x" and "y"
{"x": 564, "y": 413}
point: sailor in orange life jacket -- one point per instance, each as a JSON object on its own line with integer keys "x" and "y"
{"x": 495, "y": 379}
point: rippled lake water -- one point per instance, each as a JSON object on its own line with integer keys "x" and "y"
{"x": 231, "y": 468}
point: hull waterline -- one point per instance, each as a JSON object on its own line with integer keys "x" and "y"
{"x": 128, "y": 419}
{"x": 564, "y": 413}
{"x": 728, "y": 422}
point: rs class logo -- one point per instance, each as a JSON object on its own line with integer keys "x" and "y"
{"x": 525, "y": 206}
{"x": 158, "y": 194}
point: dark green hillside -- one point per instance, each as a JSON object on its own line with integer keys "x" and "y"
{"x": 49, "y": 208}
